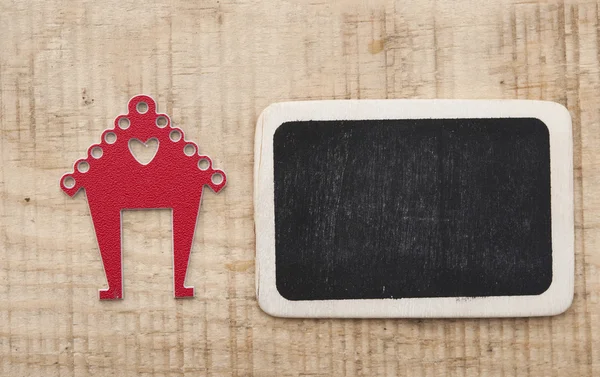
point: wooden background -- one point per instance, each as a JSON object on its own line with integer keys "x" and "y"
{"x": 67, "y": 69}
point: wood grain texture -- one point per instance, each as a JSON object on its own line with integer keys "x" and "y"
{"x": 66, "y": 70}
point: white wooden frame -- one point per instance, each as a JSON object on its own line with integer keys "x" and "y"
{"x": 555, "y": 300}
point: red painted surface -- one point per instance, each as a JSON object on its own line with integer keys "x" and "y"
{"x": 117, "y": 181}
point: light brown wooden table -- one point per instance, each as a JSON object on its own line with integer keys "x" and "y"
{"x": 67, "y": 69}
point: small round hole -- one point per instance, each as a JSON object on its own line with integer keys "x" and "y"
{"x": 217, "y": 178}
{"x": 189, "y": 150}
{"x": 161, "y": 121}
{"x": 83, "y": 167}
{"x": 175, "y": 135}
{"x": 110, "y": 137}
{"x": 97, "y": 152}
{"x": 124, "y": 123}
{"x": 142, "y": 107}
{"x": 69, "y": 182}
{"x": 203, "y": 164}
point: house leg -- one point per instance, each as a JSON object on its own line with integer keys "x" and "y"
{"x": 107, "y": 224}
{"x": 184, "y": 225}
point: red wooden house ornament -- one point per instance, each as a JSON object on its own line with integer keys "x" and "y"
{"x": 115, "y": 180}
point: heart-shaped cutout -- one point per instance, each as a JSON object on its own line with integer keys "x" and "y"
{"x": 143, "y": 152}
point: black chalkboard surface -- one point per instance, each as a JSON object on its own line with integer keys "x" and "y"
{"x": 388, "y": 209}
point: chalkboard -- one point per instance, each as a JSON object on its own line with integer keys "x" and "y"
{"x": 370, "y": 209}
{"x": 414, "y": 208}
